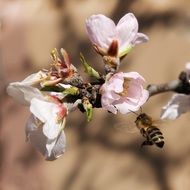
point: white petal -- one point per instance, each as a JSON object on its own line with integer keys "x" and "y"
{"x": 34, "y": 78}
{"x": 65, "y": 85}
{"x": 23, "y": 94}
{"x": 101, "y": 30}
{"x": 127, "y": 29}
{"x": 187, "y": 67}
{"x": 50, "y": 149}
{"x": 72, "y": 106}
{"x": 51, "y": 128}
{"x": 56, "y": 147}
{"x": 59, "y": 95}
{"x": 35, "y": 135}
{"x": 47, "y": 112}
{"x": 178, "y": 104}
{"x": 43, "y": 110}
{"x": 140, "y": 38}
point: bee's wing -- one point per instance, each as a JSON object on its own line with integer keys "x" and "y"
{"x": 160, "y": 123}
{"x": 124, "y": 127}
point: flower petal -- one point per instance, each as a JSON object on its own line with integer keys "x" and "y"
{"x": 187, "y": 66}
{"x": 127, "y": 29}
{"x": 101, "y": 30}
{"x": 34, "y": 78}
{"x": 140, "y": 38}
{"x": 43, "y": 110}
{"x": 50, "y": 149}
{"x": 35, "y": 135}
{"x": 23, "y": 94}
{"x": 55, "y": 148}
{"x": 23, "y": 91}
{"x": 134, "y": 75}
{"x": 125, "y": 107}
{"x": 144, "y": 97}
{"x": 178, "y": 104}
{"x": 52, "y": 129}
{"x": 129, "y": 99}
{"x": 47, "y": 112}
{"x": 116, "y": 82}
{"x": 110, "y": 108}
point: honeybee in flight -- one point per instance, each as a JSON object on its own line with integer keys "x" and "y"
{"x": 152, "y": 134}
{"x": 147, "y": 128}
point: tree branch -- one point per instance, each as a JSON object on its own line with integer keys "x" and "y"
{"x": 161, "y": 88}
{"x": 182, "y": 86}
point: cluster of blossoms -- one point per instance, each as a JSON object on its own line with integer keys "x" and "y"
{"x": 53, "y": 93}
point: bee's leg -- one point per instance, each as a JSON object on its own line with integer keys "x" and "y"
{"x": 145, "y": 143}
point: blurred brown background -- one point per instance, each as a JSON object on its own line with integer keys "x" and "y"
{"x": 98, "y": 157}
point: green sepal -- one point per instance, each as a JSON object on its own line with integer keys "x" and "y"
{"x": 71, "y": 91}
{"x": 125, "y": 51}
{"x": 88, "y": 109}
{"x": 88, "y": 69}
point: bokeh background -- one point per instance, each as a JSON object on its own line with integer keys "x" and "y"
{"x": 98, "y": 157}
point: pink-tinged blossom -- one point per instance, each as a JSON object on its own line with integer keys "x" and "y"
{"x": 44, "y": 128}
{"x": 102, "y": 32}
{"x": 123, "y": 93}
{"x": 178, "y": 104}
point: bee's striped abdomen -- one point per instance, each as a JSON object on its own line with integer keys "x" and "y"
{"x": 155, "y": 135}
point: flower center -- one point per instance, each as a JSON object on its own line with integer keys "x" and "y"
{"x": 125, "y": 87}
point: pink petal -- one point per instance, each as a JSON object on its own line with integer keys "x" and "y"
{"x": 140, "y": 38}
{"x": 101, "y": 30}
{"x": 178, "y": 104}
{"x": 107, "y": 100}
{"x": 134, "y": 75}
{"x": 111, "y": 96}
{"x": 111, "y": 108}
{"x": 134, "y": 91}
{"x": 126, "y": 107}
{"x": 127, "y": 29}
{"x": 144, "y": 97}
{"x": 116, "y": 82}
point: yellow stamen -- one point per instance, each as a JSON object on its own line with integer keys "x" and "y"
{"x": 125, "y": 87}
